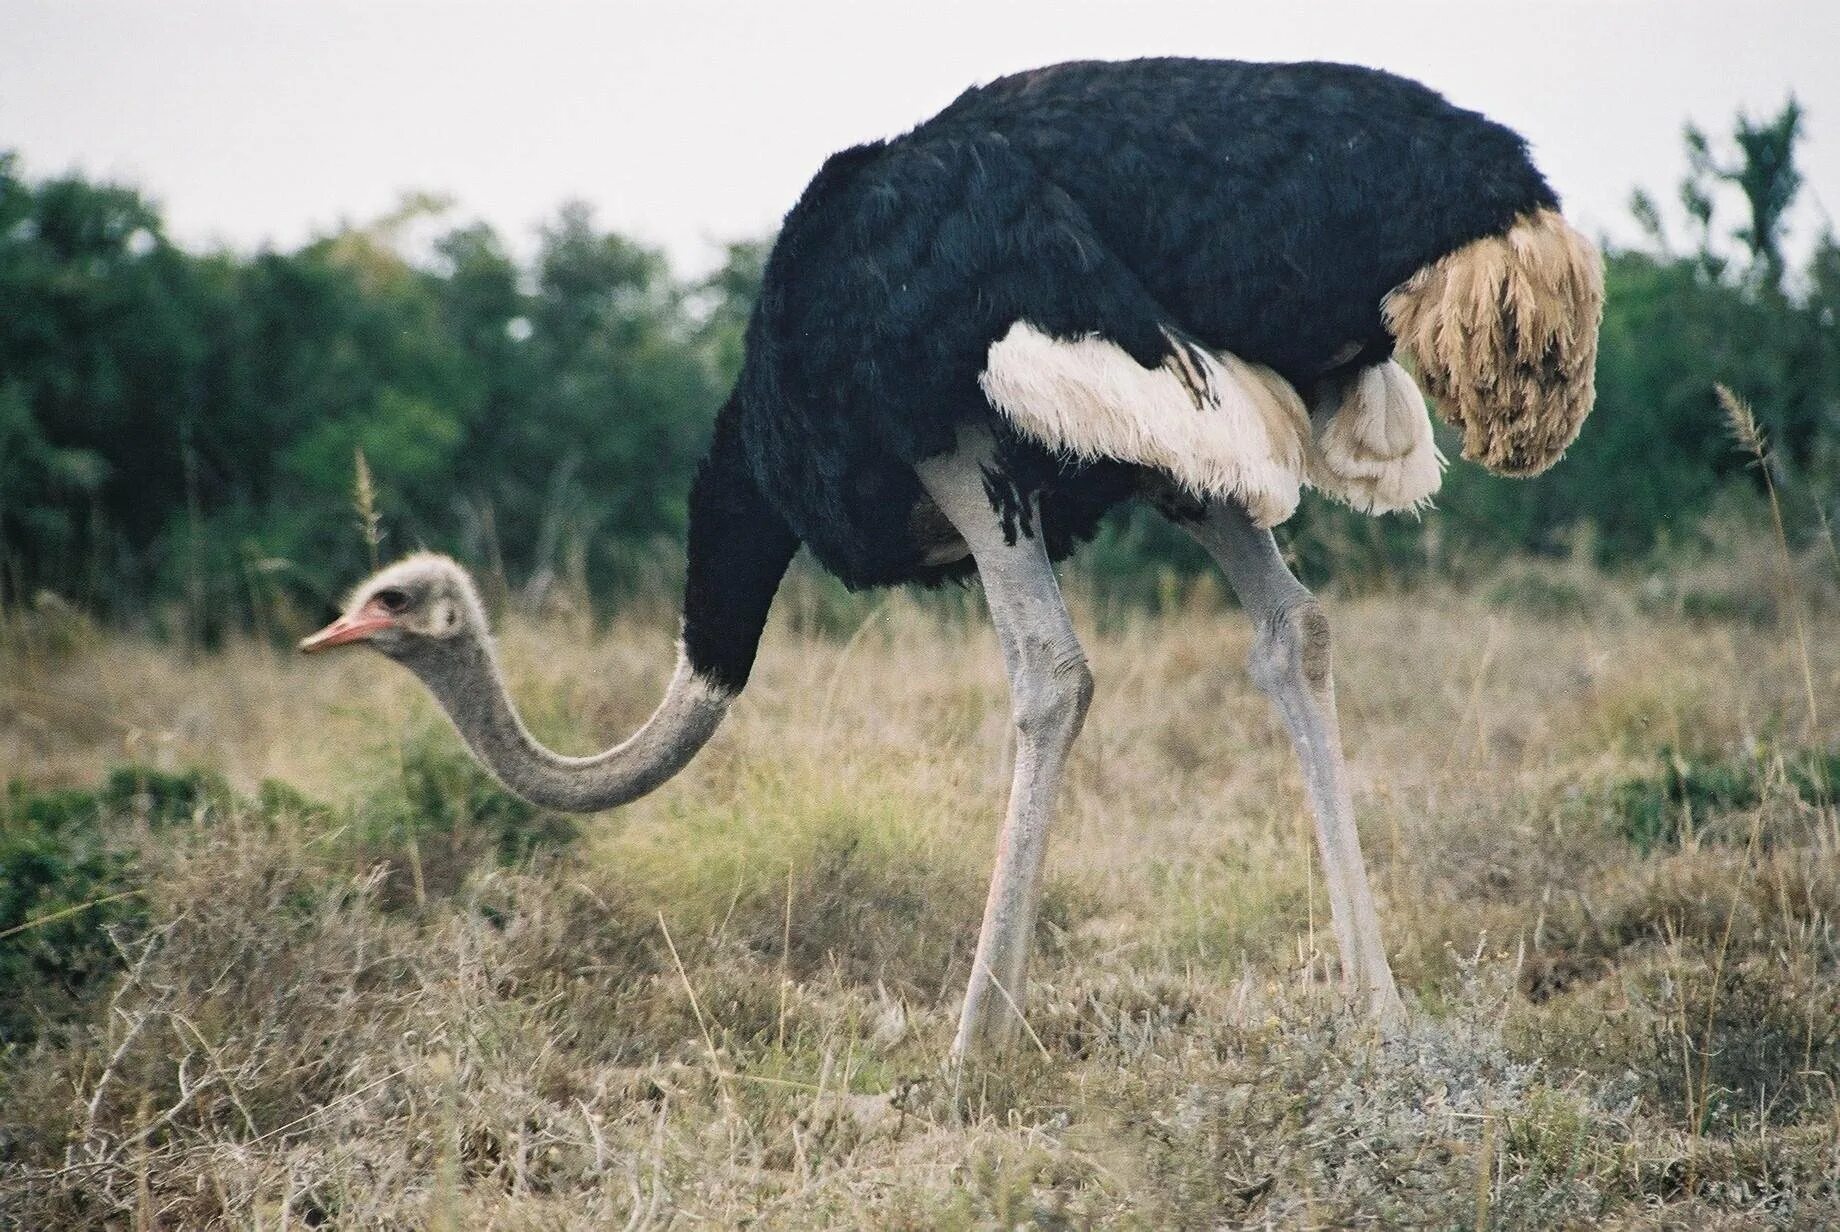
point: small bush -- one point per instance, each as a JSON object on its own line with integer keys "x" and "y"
{"x": 435, "y": 821}
{"x": 1765, "y": 1034}
{"x": 445, "y": 792}
{"x": 1653, "y": 810}
{"x": 136, "y": 793}
{"x": 65, "y": 880}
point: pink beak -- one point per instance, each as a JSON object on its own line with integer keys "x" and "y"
{"x": 356, "y": 627}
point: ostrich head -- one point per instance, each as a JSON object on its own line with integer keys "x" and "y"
{"x": 418, "y": 606}
{"x": 424, "y": 612}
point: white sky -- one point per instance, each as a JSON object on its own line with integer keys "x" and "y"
{"x": 255, "y": 121}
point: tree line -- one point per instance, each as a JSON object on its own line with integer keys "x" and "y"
{"x": 181, "y": 432}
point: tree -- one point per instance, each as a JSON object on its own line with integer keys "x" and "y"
{"x": 1763, "y": 172}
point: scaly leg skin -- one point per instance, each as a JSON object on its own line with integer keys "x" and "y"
{"x": 1290, "y": 664}
{"x": 1050, "y": 690}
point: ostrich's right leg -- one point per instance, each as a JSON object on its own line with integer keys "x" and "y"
{"x": 1050, "y": 689}
{"x": 1291, "y": 665}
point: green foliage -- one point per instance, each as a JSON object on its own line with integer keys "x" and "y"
{"x": 133, "y": 793}
{"x": 1770, "y": 182}
{"x": 66, "y": 880}
{"x": 444, "y": 794}
{"x": 181, "y": 428}
{"x": 177, "y": 430}
{"x": 1691, "y": 791}
{"x": 70, "y": 873}
{"x": 60, "y": 890}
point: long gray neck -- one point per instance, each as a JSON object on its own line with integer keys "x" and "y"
{"x": 465, "y": 680}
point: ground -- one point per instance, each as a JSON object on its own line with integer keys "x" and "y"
{"x": 349, "y": 984}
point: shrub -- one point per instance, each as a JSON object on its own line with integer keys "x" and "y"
{"x": 433, "y": 822}
{"x": 1652, "y": 810}
{"x": 65, "y": 881}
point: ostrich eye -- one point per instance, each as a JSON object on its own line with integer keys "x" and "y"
{"x": 391, "y": 600}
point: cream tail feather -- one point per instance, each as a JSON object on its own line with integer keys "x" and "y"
{"x": 1217, "y": 425}
{"x": 1373, "y": 450}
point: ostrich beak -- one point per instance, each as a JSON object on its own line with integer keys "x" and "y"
{"x": 353, "y": 627}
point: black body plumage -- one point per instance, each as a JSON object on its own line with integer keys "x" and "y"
{"x": 1262, "y": 209}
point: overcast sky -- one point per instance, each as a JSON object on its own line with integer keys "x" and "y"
{"x": 686, "y": 123}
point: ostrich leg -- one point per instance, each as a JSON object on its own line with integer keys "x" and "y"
{"x": 1050, "y": 688}
{"x": 1290, "y": 663}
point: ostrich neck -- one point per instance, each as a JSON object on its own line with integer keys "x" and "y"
{"x": 738, "y": 550}
{"x": 467, "y": 683}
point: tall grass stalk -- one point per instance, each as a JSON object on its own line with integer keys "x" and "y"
{"x": 1751, "y": 439}
{"x": 716, "y": 1067}
{"x": 364, "y": 501}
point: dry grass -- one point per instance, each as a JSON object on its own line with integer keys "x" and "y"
{"x": 1604, "y": 1035}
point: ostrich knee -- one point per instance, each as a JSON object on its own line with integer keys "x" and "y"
{"x": 1292, "y": 649}
{"x": 1052, "y": 696}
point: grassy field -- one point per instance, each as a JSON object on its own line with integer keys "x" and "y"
{"x": 347, "y": 983}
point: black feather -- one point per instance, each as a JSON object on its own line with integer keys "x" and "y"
{"x": 1263, "y": 209}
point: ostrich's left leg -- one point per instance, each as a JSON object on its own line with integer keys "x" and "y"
{"x": 1291, "y": 664}
{"x": 1050, "y": 689}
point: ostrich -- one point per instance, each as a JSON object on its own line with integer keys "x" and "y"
{"x": 1168, "y": 280}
